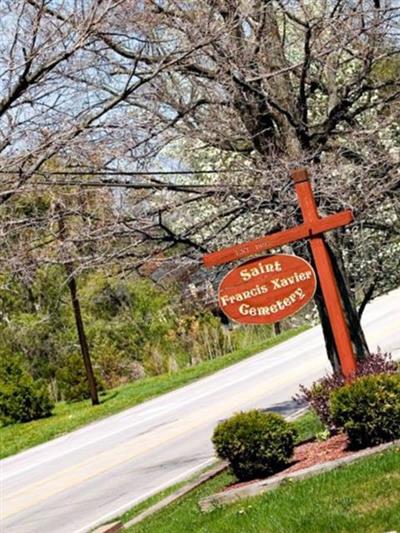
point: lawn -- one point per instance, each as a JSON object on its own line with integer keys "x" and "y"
{"x": 67, "y": 417}
{"x": 362, "y": 497}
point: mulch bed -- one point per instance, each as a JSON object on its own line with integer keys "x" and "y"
{"x": 310, "y": 454}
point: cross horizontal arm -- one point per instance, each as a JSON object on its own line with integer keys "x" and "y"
{"x": 274, "y": 240}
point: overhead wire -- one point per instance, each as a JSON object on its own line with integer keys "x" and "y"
{"x": 122, "y": 172}
{"x": 151, "y": 184}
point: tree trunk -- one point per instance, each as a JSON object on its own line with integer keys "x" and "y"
{"x": 326, "y": 329}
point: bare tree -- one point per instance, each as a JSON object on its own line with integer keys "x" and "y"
{"x": 290, "y": 83}
{"x": 258, "y": 87}
{"x": 64, "y": 96}
{"x": 66, "y": 93}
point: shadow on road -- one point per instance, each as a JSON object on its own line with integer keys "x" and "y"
{"x": 285, "y": 408}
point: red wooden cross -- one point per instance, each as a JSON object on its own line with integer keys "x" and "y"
{"x": 312, "y": 228}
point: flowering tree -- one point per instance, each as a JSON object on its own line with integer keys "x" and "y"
{"x": 286, "y": 84}
{"x": 257, "y": 87}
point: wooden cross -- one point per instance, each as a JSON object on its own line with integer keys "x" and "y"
{"x": 312, "y": 228}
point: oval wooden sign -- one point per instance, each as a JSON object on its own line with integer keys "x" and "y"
{"x": 267, "y": 289}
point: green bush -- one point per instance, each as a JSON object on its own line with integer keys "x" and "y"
{"x": 72, "y": 380}
{"x": 368, "y": 409}
{"x": 21, "y": 398}
{"x": 255, "y": 443}
{"x": 318, "y": 394}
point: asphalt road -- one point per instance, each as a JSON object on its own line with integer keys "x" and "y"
{"x": 75, "y": 482}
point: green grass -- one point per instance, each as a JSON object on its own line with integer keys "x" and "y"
{"x": 67, "y": 417}
{"x": 362, "y": 497}
{"x": 307, "y": 426}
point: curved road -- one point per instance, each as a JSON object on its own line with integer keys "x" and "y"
{"x": 78, "y": 481}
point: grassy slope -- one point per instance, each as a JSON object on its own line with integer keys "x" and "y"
{"x": 67, "y": 417}
{"x": 363, "y": 497}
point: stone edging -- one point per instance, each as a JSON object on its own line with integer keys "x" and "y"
{"x": 220, "y": 467}
{"x": 260, "y": 487}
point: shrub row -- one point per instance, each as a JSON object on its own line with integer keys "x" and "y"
{"x": 258, "y": 444}
{"x": 317, "y": 396}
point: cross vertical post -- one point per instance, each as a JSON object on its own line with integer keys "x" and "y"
{"x": 326, "y": 276}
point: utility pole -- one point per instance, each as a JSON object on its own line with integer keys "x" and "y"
{"x": 71, "y": 282}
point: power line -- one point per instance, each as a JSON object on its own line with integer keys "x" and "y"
{"x": 118, "y": 184}
{"x": 187, "y": 187}
{"x": 152, "y": 184}
{"x": 122, "y": 172}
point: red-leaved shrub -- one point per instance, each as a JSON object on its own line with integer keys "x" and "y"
{"x": 318, "y": 394}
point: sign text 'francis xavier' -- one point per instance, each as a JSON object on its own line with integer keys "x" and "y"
{"x": 267, "y": 289}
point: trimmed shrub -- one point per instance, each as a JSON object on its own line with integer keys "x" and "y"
{"x": 318, "y": 394}
{"x": 255, "y": 443}
{"x": 21, "y": 398}
{"x": 368, "y": 409}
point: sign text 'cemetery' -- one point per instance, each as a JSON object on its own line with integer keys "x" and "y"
{"x": 267, "y": 289}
